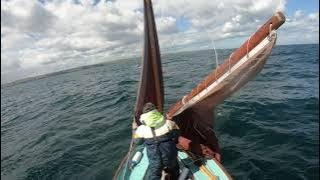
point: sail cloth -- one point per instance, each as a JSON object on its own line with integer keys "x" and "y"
{"x": 194, "y": 112}
{"x": 151, "y": 81}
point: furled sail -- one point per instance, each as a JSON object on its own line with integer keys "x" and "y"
{"x": 194, "y": 112}
{"x": 151, "y": 83}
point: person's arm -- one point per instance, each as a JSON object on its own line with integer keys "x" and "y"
{"x": 137, "y": 138}
{"x": 175, "y": 131}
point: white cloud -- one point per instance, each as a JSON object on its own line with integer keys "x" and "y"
{"x": 44, "y": 37}
{"x": 166, "y": 25}
{"x": 301, "y": 28}
{"x": 298, "y": 14}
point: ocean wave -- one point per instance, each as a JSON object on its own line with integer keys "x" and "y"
{"x": 77, "y": 124}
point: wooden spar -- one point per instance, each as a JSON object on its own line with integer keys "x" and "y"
{"x": 272, "y": 24}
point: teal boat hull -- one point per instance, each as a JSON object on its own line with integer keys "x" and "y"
{"x": 209, "y": 168}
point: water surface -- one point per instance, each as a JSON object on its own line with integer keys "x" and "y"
{"x": 77, "y": 124}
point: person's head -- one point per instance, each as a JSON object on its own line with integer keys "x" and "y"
{"x": 148, "y": 107}
{"x": 151, "y": 116}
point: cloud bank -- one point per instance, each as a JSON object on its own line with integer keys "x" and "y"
{"x": 39, "y": 37}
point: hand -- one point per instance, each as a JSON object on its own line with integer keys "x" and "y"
{"x": 134, "y": 125}
{"x": 217, "y": 156}
{"x": 168, "y": 117}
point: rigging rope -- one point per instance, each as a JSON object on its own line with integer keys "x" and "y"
{"x": 248, "y": 46}
{"x": 270, "y": 29}
{"x": 215, "y": 52}
{"x": 229, "y": 60}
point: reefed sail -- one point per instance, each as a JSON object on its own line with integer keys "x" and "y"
{"x": 194, "y": 112}
{"x": 151, "y": 83}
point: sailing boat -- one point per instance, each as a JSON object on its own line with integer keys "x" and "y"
{"x": 198, "y": 145}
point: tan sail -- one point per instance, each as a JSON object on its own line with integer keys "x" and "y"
{"x": 194, "y": 112}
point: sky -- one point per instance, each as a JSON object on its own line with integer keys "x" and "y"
{"x": 45, "y": 36}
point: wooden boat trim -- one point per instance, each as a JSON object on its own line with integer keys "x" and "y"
{"x": 207, "y": 172}
{"x": 204, "y": 93}
{"x": 272, "y": 24}
{"x": 223, "y": 169}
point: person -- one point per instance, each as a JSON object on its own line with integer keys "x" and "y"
{"x": 160, "y": 137}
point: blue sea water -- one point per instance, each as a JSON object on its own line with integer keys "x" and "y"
{"x": 77, "y": 124}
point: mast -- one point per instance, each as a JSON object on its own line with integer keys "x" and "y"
{"x": 151, "y": 81}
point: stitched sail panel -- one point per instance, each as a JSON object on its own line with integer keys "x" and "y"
{"x": 196, "y": 122}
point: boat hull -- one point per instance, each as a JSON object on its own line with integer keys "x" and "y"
{"x": 205, "y": 168}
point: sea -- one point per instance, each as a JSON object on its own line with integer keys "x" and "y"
{"x": 76, "y": 124}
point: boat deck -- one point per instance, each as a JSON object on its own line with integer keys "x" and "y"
{"x": 209, "y": 170}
